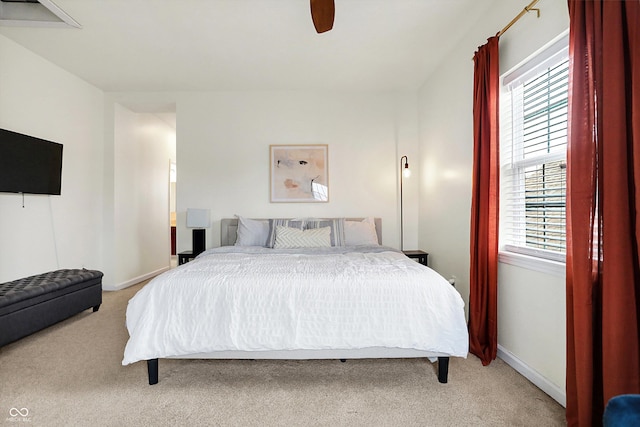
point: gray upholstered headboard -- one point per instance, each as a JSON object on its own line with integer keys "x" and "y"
{"x": 229, "y": 230}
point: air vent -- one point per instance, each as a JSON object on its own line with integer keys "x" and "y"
{"x": 34, "y": 13}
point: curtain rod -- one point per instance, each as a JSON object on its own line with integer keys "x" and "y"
{"x": 527, "y": 8}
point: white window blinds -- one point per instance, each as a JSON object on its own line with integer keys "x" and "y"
{"x": 534, "y": 104}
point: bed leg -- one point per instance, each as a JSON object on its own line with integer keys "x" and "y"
{"x": 96, "y": 308}
{"x": 152, "y": 369}
{"x": 343, "y": 360}
{"x": 443, "y": 369}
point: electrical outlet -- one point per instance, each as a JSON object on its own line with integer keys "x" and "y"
{"x": 452, "y": 280}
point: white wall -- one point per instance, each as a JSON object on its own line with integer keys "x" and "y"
{"x": 113, "y": 213}
{"x": 528, "y": 301}
{"x": 532, "y": 326}
{"x": 51, "y": 232}
{"x": 223, "y": 143}
{"x": 142, "y": 156}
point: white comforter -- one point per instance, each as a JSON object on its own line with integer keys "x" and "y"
{"x": 256, "y": 299}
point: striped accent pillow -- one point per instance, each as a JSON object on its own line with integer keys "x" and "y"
{"x": 287, "y": 237}
{"x": 336, "y": 225}
{"x": 273, "y": 223}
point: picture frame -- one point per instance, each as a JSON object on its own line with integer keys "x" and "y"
{"x": 299, "y": 173}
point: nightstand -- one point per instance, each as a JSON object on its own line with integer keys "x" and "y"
{"x": 185, "y": 257}
{"x": 420, "y": 256}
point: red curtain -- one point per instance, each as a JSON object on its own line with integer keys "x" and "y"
{"x": 483, "y": 298}
{"x": 603, "y": 207}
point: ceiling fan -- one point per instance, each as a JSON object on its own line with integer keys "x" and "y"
{"x": 322, "y": 13}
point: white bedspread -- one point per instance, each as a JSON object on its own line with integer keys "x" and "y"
{"x": 256, "y": 299}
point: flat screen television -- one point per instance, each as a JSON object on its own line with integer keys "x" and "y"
{"x": 29, "y": 165}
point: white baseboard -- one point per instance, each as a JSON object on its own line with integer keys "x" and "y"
{"x": 136, "y": 280}
{"x": 556, "y": 393}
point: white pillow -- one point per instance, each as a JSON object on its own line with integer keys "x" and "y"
{"x": 287, "y": 237}
{"x": 252, "y": 232}
{"x": 357, "y": 233}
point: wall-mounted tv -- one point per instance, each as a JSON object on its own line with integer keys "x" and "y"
{"x": 29, "y": 165}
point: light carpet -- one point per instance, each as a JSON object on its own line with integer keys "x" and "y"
{"x": 71, "y": 374}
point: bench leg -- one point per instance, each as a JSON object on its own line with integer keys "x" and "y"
{"x": 443, "y": 369}
{"x": 96, "y": 308}
{"x": 152, "y": 369}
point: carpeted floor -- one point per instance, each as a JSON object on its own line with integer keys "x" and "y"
{"x": 71, "y": 374}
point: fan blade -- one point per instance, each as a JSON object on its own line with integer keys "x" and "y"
{"x": 322, "y": 13}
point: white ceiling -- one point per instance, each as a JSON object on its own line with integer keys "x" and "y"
{"x": 198, "y": 45}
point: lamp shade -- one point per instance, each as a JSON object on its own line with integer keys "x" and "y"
{"x": 197, "y": 218}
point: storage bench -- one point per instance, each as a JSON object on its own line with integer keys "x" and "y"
{"x": 33, "y": 303}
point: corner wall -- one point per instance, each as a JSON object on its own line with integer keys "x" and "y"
{"x": 141, "y": 197}
{"x": 51, "y": 232}
{"x": 527, "y": 301}
{"x": 112, "y": 215}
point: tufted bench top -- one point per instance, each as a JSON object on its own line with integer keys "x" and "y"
{"x": 54, "y": 282}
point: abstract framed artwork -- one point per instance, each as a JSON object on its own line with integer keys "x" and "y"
{"x": 299, "y": 173}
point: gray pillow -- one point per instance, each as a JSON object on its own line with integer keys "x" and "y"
{"x": 252, "y": 232}
{"x": 336, "y": 225}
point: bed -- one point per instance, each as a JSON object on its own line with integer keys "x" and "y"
{"x": 337, "y": 295}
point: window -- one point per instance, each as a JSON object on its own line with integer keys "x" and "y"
{"x": 534, "y": 108}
